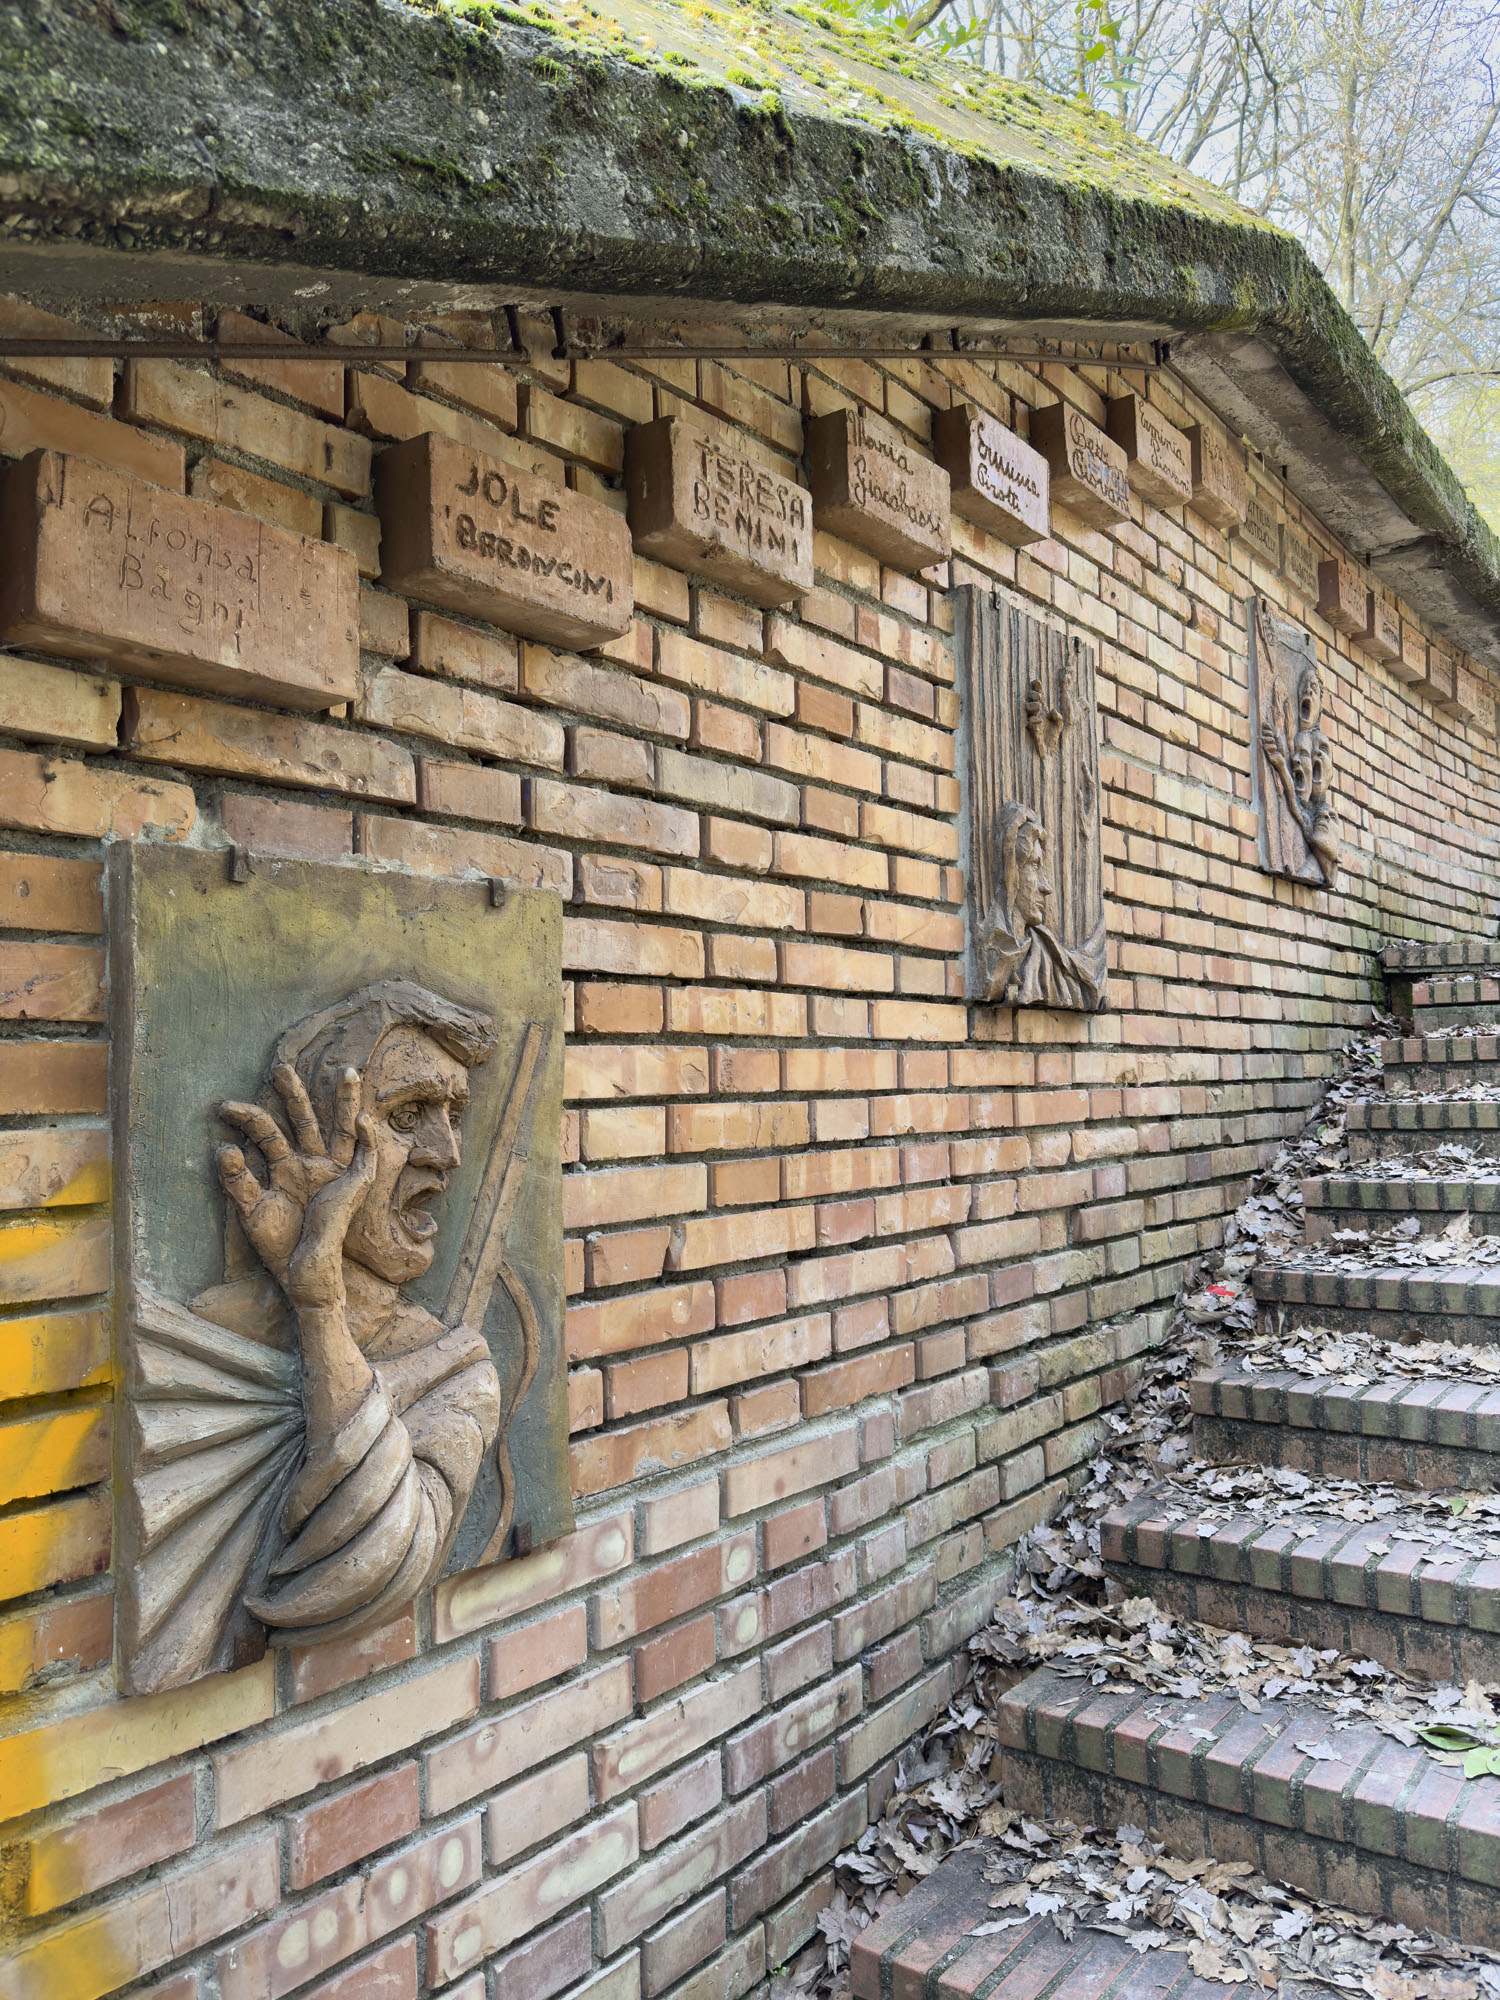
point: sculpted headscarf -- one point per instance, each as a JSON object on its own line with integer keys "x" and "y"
{"x": 1024, "y": 963}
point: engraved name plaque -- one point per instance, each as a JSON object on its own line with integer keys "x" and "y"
{"x": 102, "y": 566}
{"x": 1381, "y": 638}
{"x": 337, "y": 1103}
{"x": 468, "y": 533}
{"x": 998, "y": 481}
{"x": 702, "y": 507}
{"x": 1341, "y": 596}
{"x": 873, "y": 487}
{"x": 1218, "y": 477}
{"x": 1299, "y": 563}
{"x": 1260, "y": 531}
{"x": 1088, "y": 468}
{"x": 1158, "y": 460}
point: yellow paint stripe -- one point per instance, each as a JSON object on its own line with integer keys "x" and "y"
{"x": 57, "y": 1543}
{"x": 54, "y": 1168}
{"x": 54, "y": 1453}
{"x": 53, "y": 1257}
{"x": 44, "y": 1353}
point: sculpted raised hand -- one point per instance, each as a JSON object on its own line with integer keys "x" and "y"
{"x": 272, "y": 1214}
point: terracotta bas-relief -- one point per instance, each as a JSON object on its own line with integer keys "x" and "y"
{"x": 1030, "y": 764}
{"x": 371, "y": 1391}
{"x": 1290, "y": 761}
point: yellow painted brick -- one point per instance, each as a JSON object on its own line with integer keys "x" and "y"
{"x": 62, "y": 1759}
{"x": 47, "y": 1353}
{"x": 53, "y": 1453}
{"x": 55, "y": 1167}
{"x": 53, "y": 1256}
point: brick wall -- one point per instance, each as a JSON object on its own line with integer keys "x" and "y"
{"x": 854, "y": 1272}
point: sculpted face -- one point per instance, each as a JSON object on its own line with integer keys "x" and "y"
{"x": 1033, "y": 890}
{"x": 416, "y": 1095}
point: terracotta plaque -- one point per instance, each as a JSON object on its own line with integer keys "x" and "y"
{"x": 469, "y": 533}
{"x": 1029, "y": 764}
{"x": 339, "y": 1297}
{"x": 1260, "y": 531}
{"x": 1291, "y": 765}
{"x": 1088, "y": 468}
{"x": 1438, "y": 679}
{"x": 1382, "y": 634}
{"x": 1158, "y": 461}
{"x": 704, "y": 508}
{"x": 1341, "y": 596}
{"x": 873, "y": 487}
{"x": 1299, "y": 563}
{"x": 997, "y": 479}
{"x": 102, "y": 566}
{"x": 1218, "y": 476}
{"x": 1412, "y": 665}
{"x": 1472, "y": 699}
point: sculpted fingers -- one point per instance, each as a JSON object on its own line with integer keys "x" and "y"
{"x": 345, "y": 1114}
{"x": 259, "y": 1126}
{"x": 236, "y": 1179}
{"x": 299, "y": 1111}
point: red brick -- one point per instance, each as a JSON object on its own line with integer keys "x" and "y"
{"x": 676, "y": 1874}
{"x": 641, "y": 1748}
{"x": 509, "y": 1906}
{"x": 319, "y": 1669}
{"x": 42, "y": 892}
{"x": 801, "y": 1791}
{"x": 286, "y": 826}
{"x": 390, "y": 1974}
{"x": 667, "y": 1807}
{"x": 795, "y": 1533}
{"x": 496, "y": 1750}
{"x": 677, "y": 1656}
{"x": 538, "y": 1652}
{"x": 686, "y": 1941}
{"x": 325, "y": 1838}
{"x": 559, "y": 1958}
{"x": 779, "y": 1738}
{"x": 105, "y": 1846}
{"x": 546, "y": 1804}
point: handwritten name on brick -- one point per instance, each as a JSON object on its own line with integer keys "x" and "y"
{"x": 1218, "y": 477}
{"x": 699, "y": 506}
{"x": 1158, "y": 458}
{"x": 103, "y": 566}
{"x": 471, "y": 534}
{"x": 1341, "y": 596}
{"x": 997, "y": 479}
{"x": 1299, "y": 563}
{"x": 1260, "y": 530}
{"x": 1382, "y": 634}
{"x": 1088, "y": 468}
{"x": 877, "y": 490}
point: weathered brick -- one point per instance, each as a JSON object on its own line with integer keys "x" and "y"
{"x": 81, "y": 1855}
{"x": 538, "y": 1808}
{"x": 174, "y": 396}
{"x": 673, "y": 1731}
{"x": 327, "y": 1837}
{"x": 490, "y": 1753}
{"x": 676, "y": 1874}
{"x": 651, "y": 1597}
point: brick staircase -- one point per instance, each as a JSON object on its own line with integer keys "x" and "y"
{"x": 1349, "y": 1814}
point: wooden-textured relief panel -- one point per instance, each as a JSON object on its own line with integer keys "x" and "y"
{"x": 1289, "y": 758}
{"x": 339, "y": 1288}
{"x": 1030, "y": 763}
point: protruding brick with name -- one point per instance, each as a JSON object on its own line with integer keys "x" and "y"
{"x": 699, "y": 506}
{"x": 874, "y": 488}
{"x": 1088, "y": 468}
{"x": 1299, "y": 563}
{"x": 471, "y": 534}
{"x": 103, "y": 566}
{"x": 1158, "y": 459}
{"x": 1341, "y": 596}
{"x": 1260, "y": 531}
{"x": 1218, "y": 476}
{"x": 1381, "y": 637}
{"x": 997, "y": 479}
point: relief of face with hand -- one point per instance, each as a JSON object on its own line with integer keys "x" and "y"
{"x": 414, "y": 1094}
{"x": 1027, "y": 868}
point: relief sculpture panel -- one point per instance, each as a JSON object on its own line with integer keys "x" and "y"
{"x": 1030, "y": 764}
{"x": 1289, "y": 757}
{"x": 337, "y": 1099}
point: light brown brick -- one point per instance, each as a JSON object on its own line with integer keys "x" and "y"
{"x": 194, "y": 734}
{"x": 173, "y": 396}
{"x": 226, "y": 485}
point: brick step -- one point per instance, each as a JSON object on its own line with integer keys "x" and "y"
{"x": 1442, "y": 1061}
{"x": 1430, "y": 1435}
{"x": 1450, "y": 1003}
{"x": 922, "y": 1950}
{"x": 1344, "y": 1201}
{"x": 1380, "y": 1828}
{"x": 1455, "y": 955}
{"x": 1379, "y": 1127}
{"x": 1458, "y": 1302}
{"x": 1316, "y": 1582}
